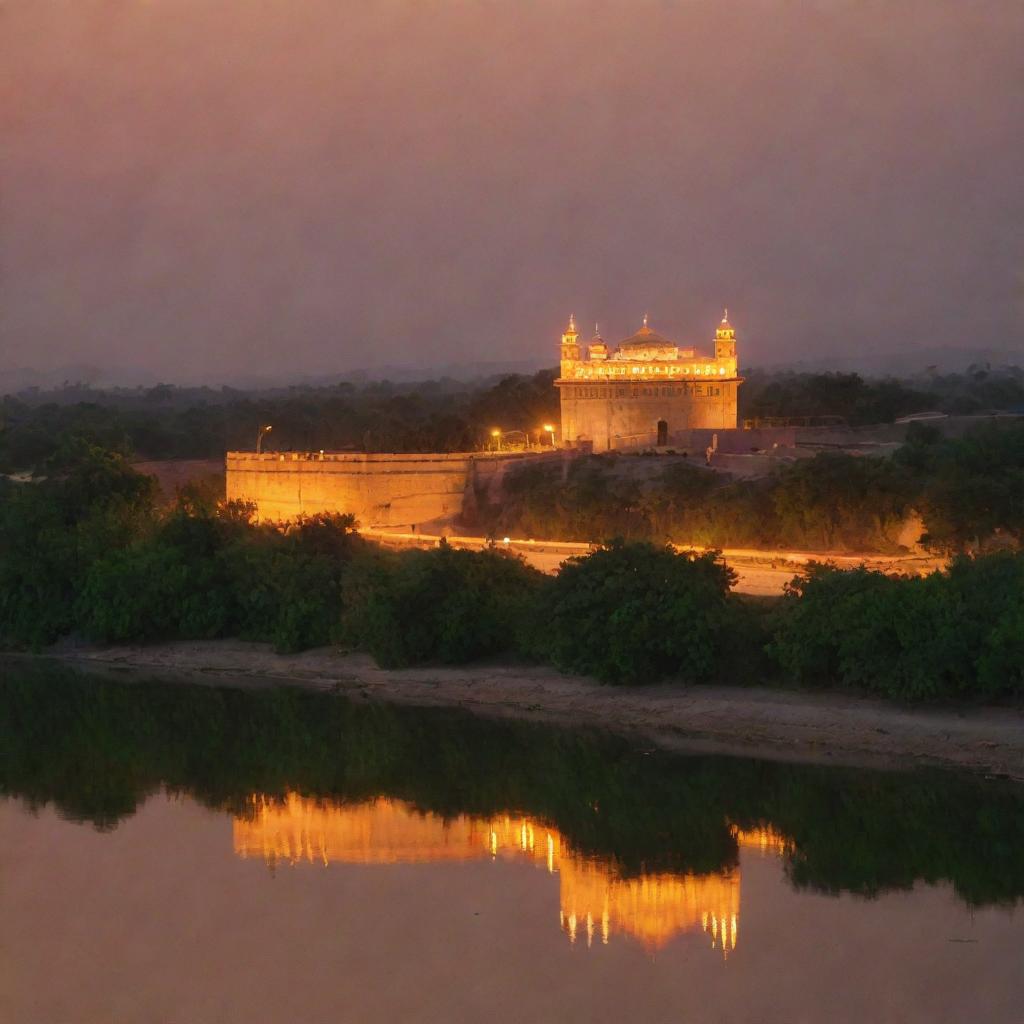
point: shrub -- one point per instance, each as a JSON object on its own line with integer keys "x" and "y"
{"x": 149, "y": 592}
{"x": 287, "y": 586}
{"x": 634, "y": 613}
{"x": 170, "y": 584}
{"x": 52, "y": 531}
{"x": 954, "y": 633}
{"x": 438, "y": 605}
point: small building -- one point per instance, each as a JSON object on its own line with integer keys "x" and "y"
{"x": 647, "y": 391}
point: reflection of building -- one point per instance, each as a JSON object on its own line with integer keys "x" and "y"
{"x": 646, "y": 391}
{"x": 596, "y": 902}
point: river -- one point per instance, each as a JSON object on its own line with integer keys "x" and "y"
{"x": 196, "y": 854}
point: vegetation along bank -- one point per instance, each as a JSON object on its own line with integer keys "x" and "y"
{"x": 91, "y": 552}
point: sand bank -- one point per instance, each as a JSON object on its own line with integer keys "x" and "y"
{"x": 790, "y": 725}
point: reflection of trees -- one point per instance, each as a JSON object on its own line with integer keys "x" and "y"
{"x": 97, "y": 749}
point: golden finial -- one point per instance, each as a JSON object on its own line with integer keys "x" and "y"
{"x": 572, "y": 323}
{"x": 645, "y": 319}
{"x": 725, "y": 315}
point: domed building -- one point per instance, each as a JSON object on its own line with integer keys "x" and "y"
{"x": 649, "y": 390}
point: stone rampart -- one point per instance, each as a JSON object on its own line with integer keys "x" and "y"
{"x": 380, "y": 490}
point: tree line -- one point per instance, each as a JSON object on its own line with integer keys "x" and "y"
{"x": 166, "y": 422}
{"x": 91, "y": 552}
{"x": 202, "y": 423}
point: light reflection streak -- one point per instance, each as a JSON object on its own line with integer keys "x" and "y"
{"x": 651, "y": 908}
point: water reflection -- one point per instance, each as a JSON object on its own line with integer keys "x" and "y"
{"x": 150, "y": 915}
{"x": 96, "y": 750}
{"x": 596, "y": 900}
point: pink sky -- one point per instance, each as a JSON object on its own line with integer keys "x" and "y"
{"x": 198, "y": 187}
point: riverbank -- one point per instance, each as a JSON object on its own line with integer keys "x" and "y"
{"x": 779, "y": 724}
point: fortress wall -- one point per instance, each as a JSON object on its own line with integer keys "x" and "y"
{"x": 380, "y": 490}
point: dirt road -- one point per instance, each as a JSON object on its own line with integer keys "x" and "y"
{"x": 763, "y": 573}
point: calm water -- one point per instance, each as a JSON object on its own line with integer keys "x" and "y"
{"x": 175, "y": 854}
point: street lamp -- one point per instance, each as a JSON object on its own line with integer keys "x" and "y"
{"x": 259, "y": 437}
{"x": 548, "y": 428}
{"x": 496, "y": 434}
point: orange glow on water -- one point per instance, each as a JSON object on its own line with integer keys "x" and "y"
{"x": 763, "y": 839}
{"x": 596, "y": 901}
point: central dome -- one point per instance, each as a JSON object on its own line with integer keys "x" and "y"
{"x": 647, "y": 344}
{"x": 646, "y": 338}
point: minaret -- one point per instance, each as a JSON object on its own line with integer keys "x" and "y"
{"x": 570, "y": 348}
{"x": 725, "y": 342}
{"x": 597, "y": 349}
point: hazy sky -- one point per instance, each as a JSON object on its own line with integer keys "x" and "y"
{"x": 207, "y": 187}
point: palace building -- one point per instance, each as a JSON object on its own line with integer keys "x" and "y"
{"x": 648, "y": 391}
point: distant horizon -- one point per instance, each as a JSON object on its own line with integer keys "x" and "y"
{"x": 909, "y": 365}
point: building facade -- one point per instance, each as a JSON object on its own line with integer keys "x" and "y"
{"x": 648, "y": 391}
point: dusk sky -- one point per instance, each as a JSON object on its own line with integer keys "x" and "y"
{"x": 205, "y": 189}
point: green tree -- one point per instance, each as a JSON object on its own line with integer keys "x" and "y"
{"x": 438, "y": 605}
{"x": 634, "y": 613}
{"x": 52, "y": 531}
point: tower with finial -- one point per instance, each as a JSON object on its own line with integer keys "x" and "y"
{"x": 647, "y": 391}
{"x": 725, "y": 340}
{"x": 570, "y": 347}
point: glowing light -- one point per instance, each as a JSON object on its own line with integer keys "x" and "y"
{"x": 651, "y": 908}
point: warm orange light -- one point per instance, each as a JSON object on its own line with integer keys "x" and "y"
{"x": 764, "y": 839}
{"x": 651, "y": 908}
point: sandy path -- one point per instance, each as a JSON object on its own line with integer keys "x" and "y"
{"x": 769, "y": 723}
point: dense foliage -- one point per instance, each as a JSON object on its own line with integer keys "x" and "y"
{"x": 952, "y": 634}
{"x": 969, "y": 492}
{"x": 90, "y": 551}
{"x": 636, "y": 613}
{"x": 861, "y": 401}
{"x": 439, "y": 605}
{"x": 202, "y": 423}
{"x": 852, "y": 830}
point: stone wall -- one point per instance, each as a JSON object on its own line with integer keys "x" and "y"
{"x": 380, "y": 490}
{"x": 626, "y": 415}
